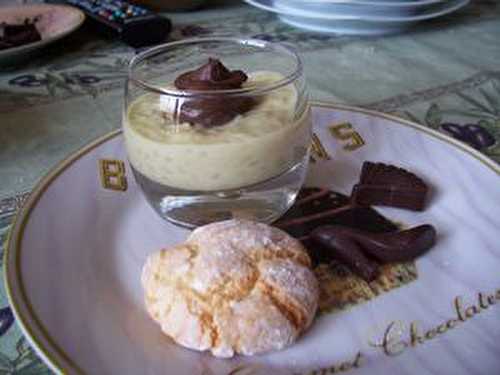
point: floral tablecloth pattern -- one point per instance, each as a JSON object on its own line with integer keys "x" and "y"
{"x": 444, "y": 74}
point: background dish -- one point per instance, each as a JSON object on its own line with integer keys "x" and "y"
{"x": 56, "y": 21}
{"x": 357, "y": 20}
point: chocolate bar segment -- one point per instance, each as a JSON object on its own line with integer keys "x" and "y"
{"x": 387, "y": 185}
{"x": 316, "y": 207}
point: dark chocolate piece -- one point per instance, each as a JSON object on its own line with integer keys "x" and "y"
{"x": 331, "y": 228}
{"x": 314, "y": 201}
{"x": 401, "y": 246}
{"x": 387, "y": 185}
{"x": 212, "y": 110}
{"x": 317, "y": 207}
{"x": 347, "y": 251}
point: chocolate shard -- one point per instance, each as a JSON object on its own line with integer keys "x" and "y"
{"x": 347, "y": 251}
{"x": 213, "y": 110}
{"x": 316, "y": 207}
{"x": 387, "y": 185}
{"x": 332, "y": 229}
{"x": 401, "y": 246}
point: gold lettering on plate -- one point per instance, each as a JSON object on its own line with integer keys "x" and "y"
{"x": 112, "y": 173}
{"x": 340, "y": 367}
{"x": 318, "y": 150}
{"x": 394, "y": 341}
{"x": 345, "y": 132}
{"x": 397, "y": 337}
{"x": 240, "y": 370}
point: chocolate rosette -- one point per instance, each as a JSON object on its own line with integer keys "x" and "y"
{"x": 212, "y": 109}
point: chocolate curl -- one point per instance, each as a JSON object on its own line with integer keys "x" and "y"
{"x": 347, "y": 251}
{"x": 400, "y": 246}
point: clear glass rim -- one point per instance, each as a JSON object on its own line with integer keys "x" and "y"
{"x": 297, "y": 72}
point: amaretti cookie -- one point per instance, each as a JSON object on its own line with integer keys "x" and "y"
{"x": 233, "y": 287}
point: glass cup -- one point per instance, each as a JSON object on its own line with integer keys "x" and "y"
{"x": 250, "y": 163}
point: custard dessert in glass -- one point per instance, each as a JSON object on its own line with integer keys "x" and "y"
{"x": 217, "y": 128}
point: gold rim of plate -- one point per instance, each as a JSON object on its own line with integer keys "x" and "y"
{"x": 15, "y": 236}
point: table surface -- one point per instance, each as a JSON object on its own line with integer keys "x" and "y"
{"x": 444, "y": 74}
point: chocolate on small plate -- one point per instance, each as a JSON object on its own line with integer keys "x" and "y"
{"x": 17, "y": 35}
{"x": 318, "y": 207}
{"x": 387, "y": 185}
{"x": 212, "y": 110}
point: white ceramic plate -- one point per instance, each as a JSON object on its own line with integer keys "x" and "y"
{"x": 355, "y": 23}
{"x": 56, "y": 21}
{"x": 76, "y": 249}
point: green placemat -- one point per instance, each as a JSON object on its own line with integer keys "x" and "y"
{"x": 444, "y": 74}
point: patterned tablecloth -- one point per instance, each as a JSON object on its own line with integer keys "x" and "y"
{"x": 444, "y": 74}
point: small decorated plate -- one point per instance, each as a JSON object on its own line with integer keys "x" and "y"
{"x": 53, "y": 23}
{"x": 76, "y": 250}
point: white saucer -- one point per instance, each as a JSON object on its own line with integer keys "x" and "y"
{"x": 395, "y": 3}
{"x": 356, "y": 23}
{"x": 76, "y": 248}
{"x": 361, "y": 9}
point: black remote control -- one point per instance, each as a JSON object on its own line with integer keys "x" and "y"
{"x": 133, "y": 24}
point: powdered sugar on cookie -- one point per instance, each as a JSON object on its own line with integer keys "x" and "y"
{"x": 233, "y": 287}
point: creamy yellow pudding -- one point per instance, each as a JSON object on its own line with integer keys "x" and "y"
{"x": 253, "y": 147}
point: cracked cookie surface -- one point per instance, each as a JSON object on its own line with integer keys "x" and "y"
{"x": 233, "y": 287}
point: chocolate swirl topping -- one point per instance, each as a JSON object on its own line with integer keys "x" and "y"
{"x": 214, "y": 110}
{"x": 211, "y": 76}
